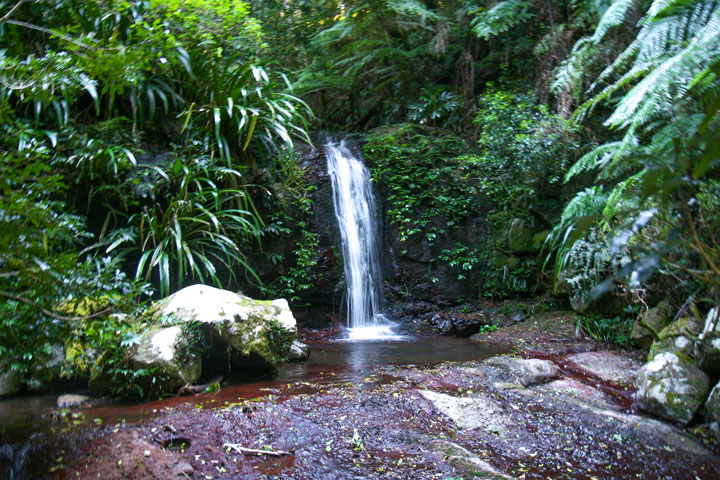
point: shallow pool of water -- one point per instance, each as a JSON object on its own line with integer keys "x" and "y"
{"x": 330, "y": 361}
{"x": 26, "y": 421}
{"x": 350, "y": 360}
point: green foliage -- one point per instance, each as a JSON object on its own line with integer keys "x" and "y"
{"x": 461, "y": 259}
{"x": 664, "y": 91}
{"x": 383, "y": 62}
{"x": 90, "y": 93}
{"x": 297, "y": 278}
{"x": 614, "y": 330}
{"x": 424, "y": 180}
{"x": 41, "y": 265}
{"x": 434, "y": 185}
{"x": 520, "y": 139}
{"x": 486, "y": 329}
{"x": 502, "y": 17}
{"x": 434, "y": 105}
{"x": 195, "y": 230}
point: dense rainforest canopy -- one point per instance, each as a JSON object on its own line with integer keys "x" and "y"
{"x": 146, "y": 145}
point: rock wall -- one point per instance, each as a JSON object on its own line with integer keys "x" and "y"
{"x": 423, "y": 272}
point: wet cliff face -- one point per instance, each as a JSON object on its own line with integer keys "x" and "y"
{"x": 300, "y": 257}
{"x": 413, "y": 277}
{"x": 432, "y": 257}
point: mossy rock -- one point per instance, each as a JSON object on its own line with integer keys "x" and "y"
{"x": 678, "y": 337}
{"x": 167, "y": 354}
{"x": 712, "y": 406}
{"x": 709, "y": 353}
{"x": 254, "y": 333}
{"x": 83, "y": 307}
{"x": 680, "y": 345}
{"x": 202, "y": 330}
{"x": 657, "y": 318}
{"x": 672, "y": 387}
{"x": 466, "y": 461}
{"x": 519, "y": 236}
{"x": 686, "y": 326}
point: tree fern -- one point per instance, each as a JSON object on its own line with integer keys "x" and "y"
{"x": 613, "y": 17}
{"x": 665, "y": 92}
{"x": 501, "y": 18}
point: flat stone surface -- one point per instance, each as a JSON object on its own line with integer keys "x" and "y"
{"x": 609, "y": 366}
{"x": 471, "y": 412}
{"x": 525, "y": 372}
{"x": 463, "y": 459}
{"x": 647, "y": 430}
{"x": 571, "y": 388}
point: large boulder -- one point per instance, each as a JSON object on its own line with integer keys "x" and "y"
{"x": 202, "y": 330}
{"x": 165, "y": 359}
{"x": 254, "y": 334}
{"x": 713, "y": 403}
{"x": 168, "y": 354}
{"x": 708, "y": 351}
{"x": 671, "y": 387}
{"x": 712, "y": 406}
{"x": 708, "y": 347}
{"x": 651, "y": 323}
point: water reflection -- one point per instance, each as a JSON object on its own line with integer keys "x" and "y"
{"x": 349, "y": 360}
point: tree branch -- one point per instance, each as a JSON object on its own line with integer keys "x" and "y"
{"x": 50, "y": 313}
{"x": 50, "y": 32}
{"x": 12, "y": 10}
{"x": 252, "y": 451}
{"x": 699, "y": 245}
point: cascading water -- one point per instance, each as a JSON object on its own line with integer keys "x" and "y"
{"x": 356, "y": 214}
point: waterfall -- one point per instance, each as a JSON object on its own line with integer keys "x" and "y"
{"x": 357, "y": 216}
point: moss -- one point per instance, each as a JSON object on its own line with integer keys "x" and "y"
{"x": 83, "y": 307}
{"x": 685, "y": 326}
{"x": 248, "y": 302}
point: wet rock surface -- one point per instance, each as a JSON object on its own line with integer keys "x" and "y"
{"x": 609, "y": 366}
{"x": 465, "y": 461}
{"x": 299, "y": 351}
{"x": 522, "y": 372}
{"x": 455, "y": 420}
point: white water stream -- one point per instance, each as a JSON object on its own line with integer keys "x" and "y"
{"x": 357, "y": 216}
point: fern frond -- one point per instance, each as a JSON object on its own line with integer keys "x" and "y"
{"x": 620, "y": 197}
{"x": 594, "y": 159}
{"x": 590, "y": 201}
{"x": 501, "y": 18}
{"x": 671, "y": 79}
{"x": 613, "y": 17}
{"x": 413, "y": 8}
